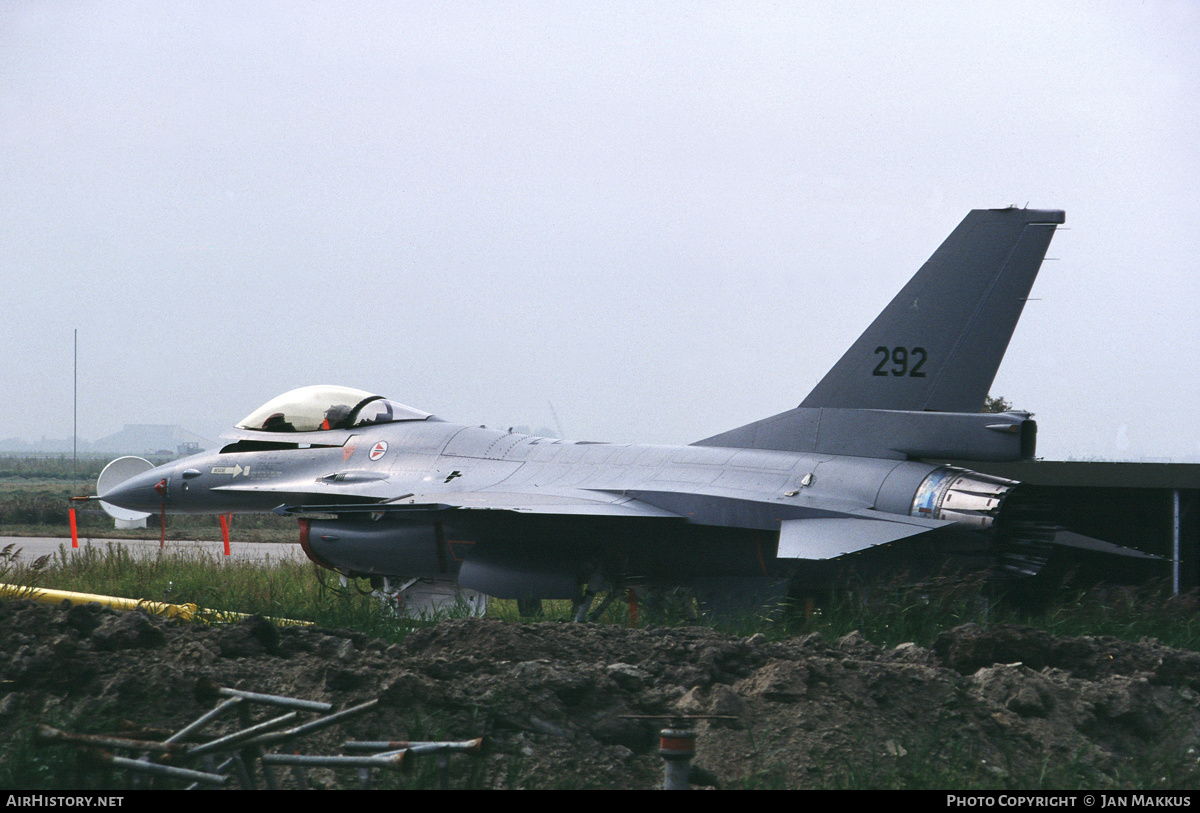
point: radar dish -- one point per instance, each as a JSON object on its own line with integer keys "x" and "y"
{"x": 115, "y": 473}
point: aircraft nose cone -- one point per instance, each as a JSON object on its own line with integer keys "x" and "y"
{"x": 142, "y": 492}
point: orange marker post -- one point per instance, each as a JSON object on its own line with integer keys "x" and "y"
{"x": 74, "y": 531}
{"x": 225, "y": 531}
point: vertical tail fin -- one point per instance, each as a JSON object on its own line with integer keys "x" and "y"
{"x": 935, "y": 349}
{"x": 939, "y": 343}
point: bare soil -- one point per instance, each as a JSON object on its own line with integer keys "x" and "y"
{"x": 579, "y": 705}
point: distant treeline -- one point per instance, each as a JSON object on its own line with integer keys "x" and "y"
{"x": 53, "y": 467}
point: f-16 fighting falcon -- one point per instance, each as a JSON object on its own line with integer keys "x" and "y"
{"x": 849, "y": 477}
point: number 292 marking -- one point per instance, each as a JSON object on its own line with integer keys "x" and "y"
{"x": 903, "y": 361}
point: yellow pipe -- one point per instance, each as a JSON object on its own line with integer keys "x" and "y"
{"x": 184, "y": 612}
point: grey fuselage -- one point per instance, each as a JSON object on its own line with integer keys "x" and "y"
{"x": 453, "y": 493}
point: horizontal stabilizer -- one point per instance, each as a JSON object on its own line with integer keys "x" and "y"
{"x": 889, "y": 434}
{"x": 1071, "y": 539}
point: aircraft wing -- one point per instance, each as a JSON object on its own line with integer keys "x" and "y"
{"x": 805, "y": 533}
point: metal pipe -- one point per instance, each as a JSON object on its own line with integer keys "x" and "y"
{"x": 187, "y": 612}
{"x": 231, "y": 763}
{"x": 184, "y": 612}
{"x": 103, "y": 758}
{"x": 239, "y": 737}
{"x": 417, "y": 747}
{"x": 276, "y": 700}
{"x": 389, "y": 761}
{"x": 205, "y": 718}
{"x": 677, "y": 746}
{"x": 48, "y": 735}
{"x": 1175, "y": 549}
{"x": 314, "y": 725}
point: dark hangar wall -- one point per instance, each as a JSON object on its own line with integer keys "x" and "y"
{"x": 1130, "y": 504}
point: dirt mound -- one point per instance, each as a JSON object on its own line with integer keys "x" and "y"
{"x": 578, "y": 705}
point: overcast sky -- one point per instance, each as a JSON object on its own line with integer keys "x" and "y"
{"x": 657, "y": 220}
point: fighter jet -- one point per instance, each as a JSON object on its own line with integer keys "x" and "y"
{"x": 848, "y": 478}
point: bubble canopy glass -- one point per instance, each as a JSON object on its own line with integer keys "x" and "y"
{"x": 326, "y": 407}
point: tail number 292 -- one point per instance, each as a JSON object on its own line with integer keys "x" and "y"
{"x": 900, "y": 361}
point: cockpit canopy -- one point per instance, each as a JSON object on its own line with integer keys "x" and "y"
{"x": 325, "y": 407}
